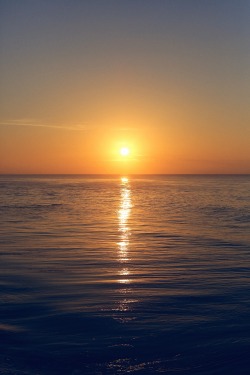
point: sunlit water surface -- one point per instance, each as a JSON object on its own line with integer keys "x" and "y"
{"x": 116, "y": 275}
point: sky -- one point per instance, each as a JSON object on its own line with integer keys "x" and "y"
{"x": 168, "y": 79}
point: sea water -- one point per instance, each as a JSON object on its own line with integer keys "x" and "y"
{"x": 125, "y": 274}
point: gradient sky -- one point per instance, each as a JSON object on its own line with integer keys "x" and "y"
{"x": 168, "y": 79}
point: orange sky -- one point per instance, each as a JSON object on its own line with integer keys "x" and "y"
{"x": 169, "y": 81}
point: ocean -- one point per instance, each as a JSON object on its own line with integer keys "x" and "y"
{"x": 125, "y": 274}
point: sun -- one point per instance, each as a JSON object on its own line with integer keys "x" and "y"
{"x": 124, "y": 151}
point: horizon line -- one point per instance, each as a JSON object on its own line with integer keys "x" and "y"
{"x": 127, "y": 174}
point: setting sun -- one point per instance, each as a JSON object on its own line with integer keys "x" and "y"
{"x": 124, "y": 151}
{"x": 125, "y": 187}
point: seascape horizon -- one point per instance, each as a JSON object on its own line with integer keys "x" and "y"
{"x": 125, "y": 187}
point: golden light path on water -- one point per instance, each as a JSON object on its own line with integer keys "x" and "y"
{"x": 123, "y": 246}
{"x": 123, "y": 215}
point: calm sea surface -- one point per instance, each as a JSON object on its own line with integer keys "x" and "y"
{"x": 139, "y": 275}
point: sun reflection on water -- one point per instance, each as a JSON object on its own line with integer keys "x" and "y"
{"x": 124, "y": 273}
{"x": 123, "y": 215}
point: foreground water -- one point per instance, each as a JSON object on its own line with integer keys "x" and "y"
{"x": 111, "y": 275}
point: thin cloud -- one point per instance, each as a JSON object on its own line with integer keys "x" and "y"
{"x": 130, "y": 128}
{"x": 35, "y": 124}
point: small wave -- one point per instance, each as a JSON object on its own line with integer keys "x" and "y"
{"x": 10, "y": 328}
{"x": 32, "y": 206}
{"x": 220, "y": 243}
{"x": 244, "y": 218}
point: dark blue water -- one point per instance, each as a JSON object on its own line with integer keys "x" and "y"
{"x": 138, "y": 275}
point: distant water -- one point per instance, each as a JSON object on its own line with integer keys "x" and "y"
{"x": 139, "y": 275}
